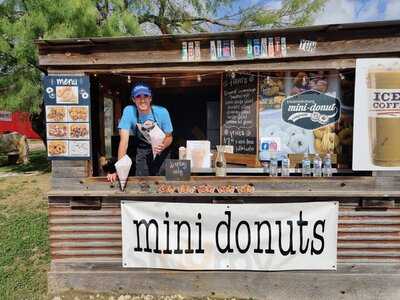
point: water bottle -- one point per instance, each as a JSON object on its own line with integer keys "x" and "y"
{"x": 285, "y": 166}
{"x": 306, "y": 166}
{"x": 317, "y": 166}
{"x": 273, "y": 166}
{"x": 327, "y": 168}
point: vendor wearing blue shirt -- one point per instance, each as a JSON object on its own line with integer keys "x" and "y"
{"x": 145, "y": 116}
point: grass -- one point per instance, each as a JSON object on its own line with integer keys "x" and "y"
{"x": 37, "y": 162}
{"x": 24, "y": 245}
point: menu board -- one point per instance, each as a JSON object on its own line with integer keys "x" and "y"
{"x": 239, "y": 113}
{"x": 67, "y": 102}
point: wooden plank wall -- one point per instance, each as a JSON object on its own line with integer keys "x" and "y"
{"x": 369, "y": 235}
{"x": 152, "y": 53}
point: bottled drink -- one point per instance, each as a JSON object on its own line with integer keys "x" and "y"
{"x": 306, "y": 166}
{"x": 285, "y": 166}
{"x": 317, "y": 166}
{"x": 220, "y": 162}
{"x": 327, "y": 168}
{"x": 273, "y": 166}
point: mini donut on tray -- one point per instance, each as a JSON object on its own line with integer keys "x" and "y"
{"x": 186, "y": 189}
{"x": 246, "y": 189}
{"x": 165, "y": 189}
{"x": 226, "y": 188}
{"x": 205, "y": 189}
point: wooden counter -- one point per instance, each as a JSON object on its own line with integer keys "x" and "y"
{"x": 265, "y": 187}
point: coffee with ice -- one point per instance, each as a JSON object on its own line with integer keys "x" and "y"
{"x": 384, "y": 117}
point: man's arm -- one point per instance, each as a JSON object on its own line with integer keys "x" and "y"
{"x": 165, "y": 144}
{"x": 122, "y": 148}
{"x": 167, "y": 140}
{"x": 123, "y": 142}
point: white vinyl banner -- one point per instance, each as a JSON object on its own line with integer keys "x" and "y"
{"x": 194, "y": 236}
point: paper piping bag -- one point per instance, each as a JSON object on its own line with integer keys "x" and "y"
{"x": 123, "y": 166}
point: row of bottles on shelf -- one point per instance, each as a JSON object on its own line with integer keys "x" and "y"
{"x": 315, "y": 167}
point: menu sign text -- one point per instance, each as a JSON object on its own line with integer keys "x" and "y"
{"x": 239, "y": 113}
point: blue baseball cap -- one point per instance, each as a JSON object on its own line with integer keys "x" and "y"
{"x": 140, "y": 89}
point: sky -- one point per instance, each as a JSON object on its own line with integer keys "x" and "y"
{"x": 345, "y": 11}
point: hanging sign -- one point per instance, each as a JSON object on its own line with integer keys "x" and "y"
{"x": 201, "y": 236}
{"x": 377, "y": 115}
{"x": 311, "y": 110}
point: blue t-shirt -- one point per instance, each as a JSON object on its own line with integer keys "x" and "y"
{"x": 161, "y": 117}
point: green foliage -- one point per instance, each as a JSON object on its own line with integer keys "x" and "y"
{"x": 24, "y": 21}
{"x": 291, "y": 13}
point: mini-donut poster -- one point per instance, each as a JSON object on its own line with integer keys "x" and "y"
{"x": 302, "y": 112}
{"x": 67, "y": 108}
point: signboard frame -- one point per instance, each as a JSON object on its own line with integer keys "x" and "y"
{"x": 250, "y": 160}
{"x": 79, "y": 88}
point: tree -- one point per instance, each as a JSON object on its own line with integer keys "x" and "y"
{"x": 23, "y": 21}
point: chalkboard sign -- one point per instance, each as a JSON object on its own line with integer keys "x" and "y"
{"x": 177, "y": 169}
{"x": 239, "y": 113}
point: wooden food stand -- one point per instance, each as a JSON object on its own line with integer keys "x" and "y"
{"x": 84, "y": 210}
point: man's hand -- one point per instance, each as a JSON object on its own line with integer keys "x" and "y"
{"x": 112, "y": 177}
{"x": 158, "y": 149}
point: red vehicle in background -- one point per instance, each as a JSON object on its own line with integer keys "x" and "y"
{"x": 17, "y": 121}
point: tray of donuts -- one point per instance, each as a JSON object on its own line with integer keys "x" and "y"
{"x": 166, "y": 188}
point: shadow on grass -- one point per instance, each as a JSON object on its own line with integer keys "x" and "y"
{"x": 37, "y": 162}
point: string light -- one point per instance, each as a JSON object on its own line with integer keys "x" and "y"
{"x": 163, "y": 81}
{"x": 233, "y": 75}
{"x": 198, "y": 78}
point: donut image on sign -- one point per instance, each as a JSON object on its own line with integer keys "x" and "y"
{"x": 67, "y": 94}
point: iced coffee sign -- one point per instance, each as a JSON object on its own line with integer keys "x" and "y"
{"x": 377, "y": 115}
{"x": 311, "y": 110}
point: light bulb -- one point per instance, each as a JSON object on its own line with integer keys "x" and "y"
{"x": 163, "y": 81}
{"x": 233, "y": 75}
{"x": 129, "y": 78}
{"x": 198, "y": 78}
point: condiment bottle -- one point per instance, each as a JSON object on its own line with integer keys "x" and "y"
{"x": 220, "y": 162}
{"x": 182, "y": 153}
